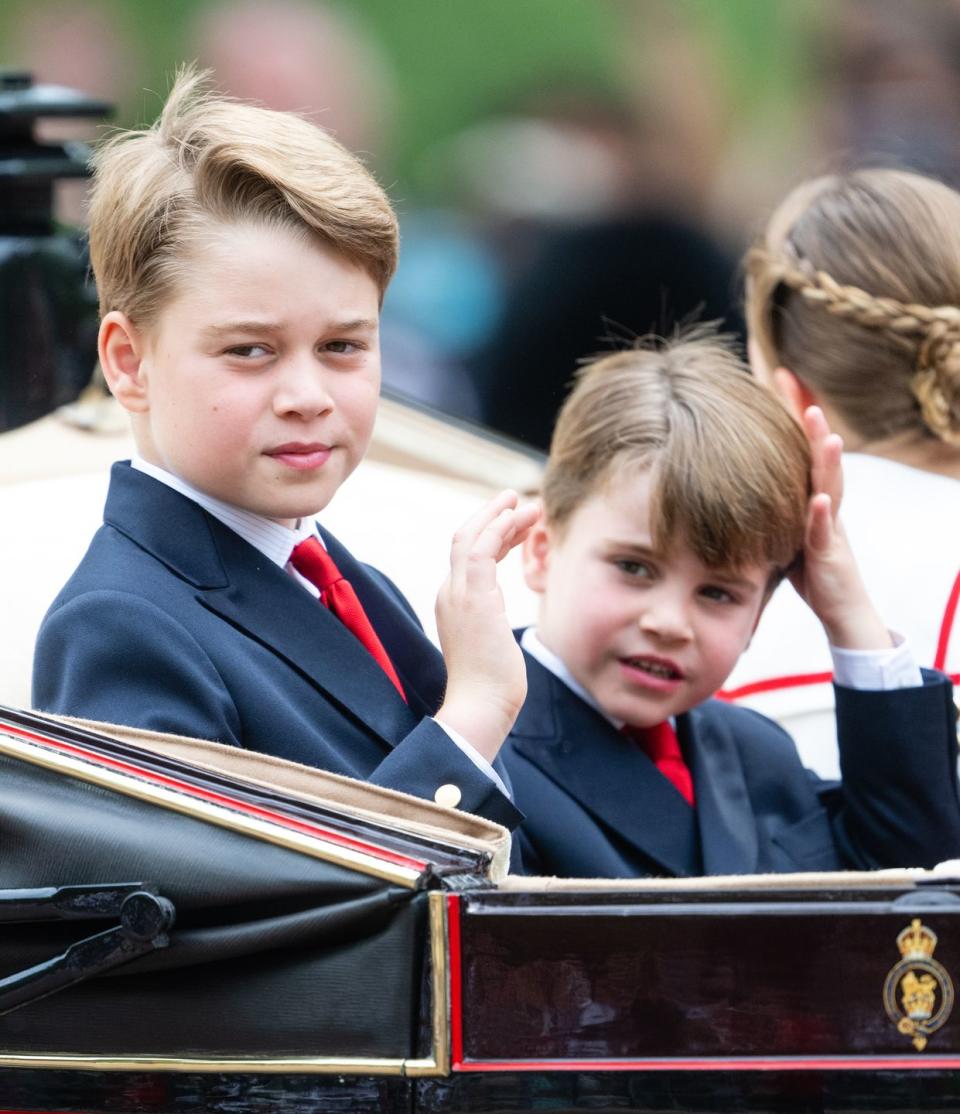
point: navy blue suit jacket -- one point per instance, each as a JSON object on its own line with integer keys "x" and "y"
{"x": 597, "y": 807}
{"x": 173, "y": 622}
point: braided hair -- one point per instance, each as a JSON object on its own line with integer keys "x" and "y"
{"x": 855, "y": 286}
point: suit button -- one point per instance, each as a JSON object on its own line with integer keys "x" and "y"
{"x": 448, "y": 795}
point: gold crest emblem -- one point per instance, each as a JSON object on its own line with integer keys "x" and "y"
{"x": 918, "y": 992}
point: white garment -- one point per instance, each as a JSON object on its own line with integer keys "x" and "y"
{"x": 904, "y": 527}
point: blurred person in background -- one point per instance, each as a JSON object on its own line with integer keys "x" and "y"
{"x": 853, "y": 304}
{"x": 889, "y": 75}
{"x": 611, "y": 258}
{"x": 301, "y": 56}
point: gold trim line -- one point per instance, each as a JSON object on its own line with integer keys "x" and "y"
{"x": 127, "y": 784}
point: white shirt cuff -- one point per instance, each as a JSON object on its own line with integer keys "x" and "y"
{"x": 475, "y": 756}
{"x": 895, "y": 668}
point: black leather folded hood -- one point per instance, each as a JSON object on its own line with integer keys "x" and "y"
{"x": 276, "y": 951}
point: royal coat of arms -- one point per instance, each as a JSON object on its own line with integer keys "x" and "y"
{"x": 918, "y": 991}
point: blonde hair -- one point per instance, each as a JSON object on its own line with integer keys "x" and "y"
{"x": 855, "y": 287}
{"x": 210, "y": 160}
{"x": 730, "y": 466}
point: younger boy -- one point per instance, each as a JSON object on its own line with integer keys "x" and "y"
{"x": 241, "y": 257}
{"x": 676, "y": 496}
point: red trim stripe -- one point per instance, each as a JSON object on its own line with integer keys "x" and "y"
{"x": 798, "y": 680}
{"x": 746, "y": 1063}
{"x": 291, "y": 823}
{"x": 946, "y": 627}
{"x": 455, "y": 967}
{"x": 774, "y": 684}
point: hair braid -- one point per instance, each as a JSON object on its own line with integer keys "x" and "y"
{"x": 932, "y": 332}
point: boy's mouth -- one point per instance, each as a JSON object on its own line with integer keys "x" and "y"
{"x": 300, "y": 455}
{"x": 655, "y": 667}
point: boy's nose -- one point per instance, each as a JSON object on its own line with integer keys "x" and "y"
{"x": 666, "y": 618}
{"x": 302, "y": 390}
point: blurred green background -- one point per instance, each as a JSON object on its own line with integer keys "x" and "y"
{"x": 450, "y": 61}
{"x": 568, "y": 173}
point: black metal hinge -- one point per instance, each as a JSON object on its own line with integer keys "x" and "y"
{"x": 145, "y": 922}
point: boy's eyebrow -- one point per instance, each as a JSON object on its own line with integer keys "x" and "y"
{"x": 735, "y": 580}
{"x": 264, "y": 325}
{"x": 643, "y": 548}
{"x": 355, "y": 325}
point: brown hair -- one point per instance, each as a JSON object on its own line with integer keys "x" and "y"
{"x": 209, "y": 159}
{"x": 855, "y": 287}
{"x": 731, "y": 466}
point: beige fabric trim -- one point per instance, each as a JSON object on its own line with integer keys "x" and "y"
{"x": 853, "y": 879}
{"x": 462, "y": 829}
{"x": 410, "y": 814}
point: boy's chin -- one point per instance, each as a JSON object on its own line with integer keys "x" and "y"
{"x": 290, "y": 510}
{"x": 292, "y": 519}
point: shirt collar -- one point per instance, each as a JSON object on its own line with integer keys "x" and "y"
{"x": 274, "y": 540}
{"x": 549, "y": 660}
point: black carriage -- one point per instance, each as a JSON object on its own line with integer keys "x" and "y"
{"x": 187, "y": 927}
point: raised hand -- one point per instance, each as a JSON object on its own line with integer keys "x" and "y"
{"x": 828, "y": 578}
{"x": 486, "y": 677}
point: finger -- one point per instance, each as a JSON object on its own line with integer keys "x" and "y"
{"x": 827, "y": 471}
{"x": 506, "y": 531}
{"x": 483, "y": 516}
{"x": 826, "y": 450}
{"x": 497, "y": 539}
{"x": 524, "y": 517}
{"x": 474, "y": 556}
{"x": 820, "y": 524}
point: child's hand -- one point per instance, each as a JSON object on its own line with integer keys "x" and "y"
{"x": 828, "y": 578}
{"x": 486, "y": 677}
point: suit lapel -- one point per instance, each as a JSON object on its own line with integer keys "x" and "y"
{"x": 728, "y": 833}
{"x": 235, "y": 581}
{"x": 416, "y": 659}
{"x": 607, "y": 774}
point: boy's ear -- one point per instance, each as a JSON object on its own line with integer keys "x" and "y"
{"x": 120, "y": 345}
{"x": 793, "y": 392}
{"x": 536, "y": 552}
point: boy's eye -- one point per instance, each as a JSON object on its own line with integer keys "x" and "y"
{"x": 717, "y": 594}
{"x": 633, "y": 568}
{"x": 248, "y": 351}
{"x": 343, "y": 347}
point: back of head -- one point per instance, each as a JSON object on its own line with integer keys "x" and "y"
{"x": 209, "y": 160}
{"x": 731, "y": 467}
{"x": 855, "y": 287}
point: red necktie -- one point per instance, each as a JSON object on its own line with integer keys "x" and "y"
{"x": 315, "y": 564}
{"x": 661, "y": 747}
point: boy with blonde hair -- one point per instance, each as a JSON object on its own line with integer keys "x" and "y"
{"x": 241, "y": 256}
{"x": 677, "y": 495}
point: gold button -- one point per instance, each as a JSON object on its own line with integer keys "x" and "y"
{"x": 448, "y": 795}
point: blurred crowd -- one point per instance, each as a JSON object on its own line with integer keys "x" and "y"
{"x": 578, "y": 210}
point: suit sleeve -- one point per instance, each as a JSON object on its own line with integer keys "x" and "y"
{"x": 899, "y": 802}
{"x": 427, "y": 759}
{"x": 117, "y": 658}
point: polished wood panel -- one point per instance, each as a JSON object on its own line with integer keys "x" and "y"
{"x": 591, "y": 978}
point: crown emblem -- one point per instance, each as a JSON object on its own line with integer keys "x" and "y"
{"x": 917, "y": 941}
{"x": 918, "y": 992}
